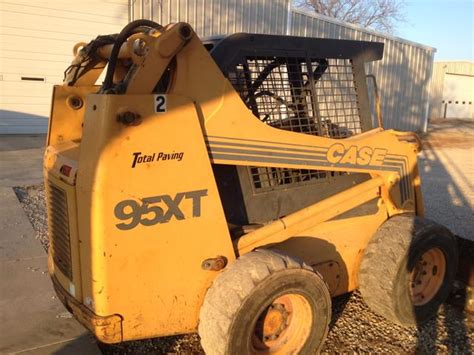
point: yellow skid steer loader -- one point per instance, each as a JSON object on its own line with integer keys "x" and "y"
{"x": 232, "y": 186}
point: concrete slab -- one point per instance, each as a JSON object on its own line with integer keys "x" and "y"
{"x": 21, "y": 142}
{"x": 31, "y": 317}
{"x": 17, "y": 238}
{"x": 85, "y": 344}
{"x": 21, "y": 167}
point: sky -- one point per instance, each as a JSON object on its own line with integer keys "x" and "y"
{"x": 447, "y": 25}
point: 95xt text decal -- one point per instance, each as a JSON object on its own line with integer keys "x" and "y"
{"x": 157, "y": 209}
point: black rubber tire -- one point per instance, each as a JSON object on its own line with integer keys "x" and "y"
{"x": 242, "y": 291}
{"x": 388, "y": 260}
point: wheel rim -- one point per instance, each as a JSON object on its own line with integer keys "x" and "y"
{"x": 283, "y": 326}
{"x": 427, "y": 276}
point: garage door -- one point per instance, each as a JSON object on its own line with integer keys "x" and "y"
{"x": 36, "y": 41}
{"x": 458, "y": 96}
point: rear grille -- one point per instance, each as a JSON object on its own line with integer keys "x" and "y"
{"x": 60, "y": 243}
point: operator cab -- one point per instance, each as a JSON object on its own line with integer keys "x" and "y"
{"x": 306, "y": 85}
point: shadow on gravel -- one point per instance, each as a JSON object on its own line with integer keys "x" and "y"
{"x": 447, "y": 199}
{"x": 448, "y": 332}
{"x": 451, "y": 331}
{"x": 190, "y": 344}
{"x": 180, "y": 344}
{"x": 338, "y": 305}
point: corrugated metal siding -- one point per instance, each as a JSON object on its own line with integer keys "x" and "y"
{"x": 437, "y": 82}
{"x": 211, "y": 17}
{"x": 36, "y": 41}
{"x": 403, "y": 75}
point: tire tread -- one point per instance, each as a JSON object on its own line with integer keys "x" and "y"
{"x": 229, "y": 290}
{"x": 382, "y": 261}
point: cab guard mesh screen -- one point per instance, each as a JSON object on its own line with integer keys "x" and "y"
{"x": 310, "y": 96}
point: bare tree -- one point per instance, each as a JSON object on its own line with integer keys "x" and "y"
{"x": 381, "y": 15}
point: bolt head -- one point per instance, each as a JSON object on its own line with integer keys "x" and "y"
{"x": 128, "y": 117}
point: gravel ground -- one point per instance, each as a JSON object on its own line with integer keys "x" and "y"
{"x": 447, "y": 176}
{"x": 33, "y": 201}
{"x": 354, "y": 328}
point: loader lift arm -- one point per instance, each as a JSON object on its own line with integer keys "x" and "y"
{"x": 144, "y": 56}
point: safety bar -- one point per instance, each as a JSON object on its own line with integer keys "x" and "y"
{"x": 378, "y": 103}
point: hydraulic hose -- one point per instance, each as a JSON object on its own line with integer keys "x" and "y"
{"x": 121, "y": 38}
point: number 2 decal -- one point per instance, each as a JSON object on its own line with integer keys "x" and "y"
{"x": 160, "y": 103}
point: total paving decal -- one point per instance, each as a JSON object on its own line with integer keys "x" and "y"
{"x": 139, "y": 158}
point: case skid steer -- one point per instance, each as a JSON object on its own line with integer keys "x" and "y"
{"x": 232, "y": 186}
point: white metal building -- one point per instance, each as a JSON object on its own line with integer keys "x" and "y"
{"x": 452, "y": 90}
{"x": 36, "y": 41}
{"x": 403, "y": 74}
{"x": 37, "y": 38}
